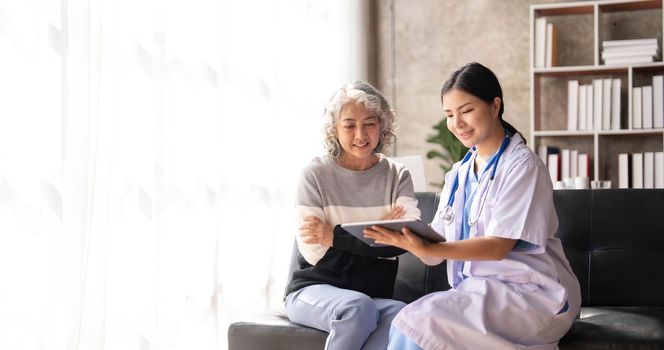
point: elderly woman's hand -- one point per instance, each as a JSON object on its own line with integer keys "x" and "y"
{"x": 396, "y": 213}
{"x": 315, "y": 231}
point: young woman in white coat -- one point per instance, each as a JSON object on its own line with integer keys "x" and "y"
{"x": 512, "y": 286}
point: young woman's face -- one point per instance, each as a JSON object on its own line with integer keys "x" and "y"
{"x": 358, "y": 132}
{"x": 469, "y": 118}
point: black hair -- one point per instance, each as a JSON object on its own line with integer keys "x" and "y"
{"x": 480, "y": 82}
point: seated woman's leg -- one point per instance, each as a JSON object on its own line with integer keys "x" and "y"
{"x": 387, "y": 310}
{"x": 348, "y": 316}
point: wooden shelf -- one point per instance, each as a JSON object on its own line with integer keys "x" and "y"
{"x": 570, "y": 8}
{"x": 627, "y": 5}
{"x": 580, "y": 70}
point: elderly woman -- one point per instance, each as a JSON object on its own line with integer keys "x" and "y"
{"x": 344, "y": 286}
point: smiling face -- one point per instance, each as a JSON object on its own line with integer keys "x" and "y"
{"x": 473, "y": 121}
{"x": 358, "y": 132}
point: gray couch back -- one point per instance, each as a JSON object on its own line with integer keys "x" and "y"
{"x": 613, "y": 239}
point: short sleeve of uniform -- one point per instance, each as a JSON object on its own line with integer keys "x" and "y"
{"x": 523, "y": 209}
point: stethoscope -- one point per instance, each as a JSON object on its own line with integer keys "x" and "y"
{"x": 448, "y": 212}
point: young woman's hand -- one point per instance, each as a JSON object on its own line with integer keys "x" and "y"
{"x": 405, "y": 239}
{"x": 396, "y": 213}
{"x": 315, "y": 231}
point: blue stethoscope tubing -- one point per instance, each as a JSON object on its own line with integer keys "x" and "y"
{"x": 448, "y": 214}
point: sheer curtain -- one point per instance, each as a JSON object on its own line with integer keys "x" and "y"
{"x": 149, "y": 152}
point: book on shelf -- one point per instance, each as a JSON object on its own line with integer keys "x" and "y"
{"x": 553, "y": 164}
{"x": 629, "y": 60}
{"x": 637, "y": 108}
{"x": 629, "y": 42}
{"x": 623, "y": 170}
{"x": 658, "y": 101}
{"x": 646, "y": 107}
{"x": 590, "y": 107}
{"x": 574, "y": 163}
{"x": 551, "y": 56}
{"x": 583, "y": 89}
{"x": 641, "y": 170}
{"x": 598, "y": 107}
{"x": 637, "y": 170}
{"x": 545, "y": 43}
{"x": 583, "y": 165}
{"x": 659, "y": 169}
{"x": 572, "y": 105}
{"x": 605, "y": 122}
{"x": 631, "y": 51}
{"x": 570, "y": 164}
{"x": 540, "y": 42}
{"x": 615, "y": 104}
{"x": 648, "y": 170}
{"x": 543, "y": 152}
{"x": 594, "y": 106}
{"x": 565, "y": 164}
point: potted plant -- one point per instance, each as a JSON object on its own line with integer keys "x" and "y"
{"x": 452, "y": 149}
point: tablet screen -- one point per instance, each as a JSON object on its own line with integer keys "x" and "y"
{"x": 416, "y": 226}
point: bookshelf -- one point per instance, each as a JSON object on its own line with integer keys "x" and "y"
{"x": 580, "y": 29}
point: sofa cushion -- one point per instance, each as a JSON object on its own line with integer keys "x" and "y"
{"x": 617, "y": 328}
{"x": 273, "y": 330}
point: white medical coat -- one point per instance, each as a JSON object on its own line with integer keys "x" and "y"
{"x": 512, "y": 303}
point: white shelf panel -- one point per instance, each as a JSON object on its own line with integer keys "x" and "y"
{"x": 587, "y": 7}
{"x": 563, "y": 133}
{"x": 631, "y": 132}
{"x": 601, "y": 69}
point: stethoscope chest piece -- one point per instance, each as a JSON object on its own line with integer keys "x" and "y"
{"x": 448, "y": 215}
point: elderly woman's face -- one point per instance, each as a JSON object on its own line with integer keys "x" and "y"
{"x": 358, "y": 132}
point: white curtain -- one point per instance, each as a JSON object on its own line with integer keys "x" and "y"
{"x": 149, "y": 152}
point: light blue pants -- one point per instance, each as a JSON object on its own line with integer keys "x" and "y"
{"x": 399, "y": 341}
{"x": 352, "y": 319}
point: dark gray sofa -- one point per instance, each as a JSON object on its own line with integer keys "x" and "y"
{"x": 614, "y": 240}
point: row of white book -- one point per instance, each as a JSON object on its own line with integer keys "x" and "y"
{"x": 564, "y": 163}
{"x": 593, "y": 106}
{"x": 631, "y": 51}
{"x": 545, "y": 43}
{"x": 641, "y": 170}
{"x": 648, "y": 105}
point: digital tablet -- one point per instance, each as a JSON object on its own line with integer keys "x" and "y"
{"x": 416, "y": 226}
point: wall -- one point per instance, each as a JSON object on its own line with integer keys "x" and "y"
{"x": 419, "y": 43}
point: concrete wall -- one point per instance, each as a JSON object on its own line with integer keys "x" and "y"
{"x": 419, "y": 43}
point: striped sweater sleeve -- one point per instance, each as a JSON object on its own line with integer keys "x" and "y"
{"x": 405, "y": 194}
{"x": 309, "y": 203}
